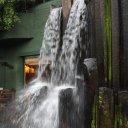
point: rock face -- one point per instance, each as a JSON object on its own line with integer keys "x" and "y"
{"x": 92, "y": 74}
{"x": 66, "y": 108}
{"x": 91, "y": 78}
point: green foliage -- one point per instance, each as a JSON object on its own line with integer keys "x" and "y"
{"x": 8, "y": 14}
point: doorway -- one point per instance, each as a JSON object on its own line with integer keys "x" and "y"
{"x": 30, "y": 68}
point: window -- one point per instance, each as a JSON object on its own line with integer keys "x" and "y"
{"x": 30, "y": 68}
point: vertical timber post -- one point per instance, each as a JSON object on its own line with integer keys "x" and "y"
{"x": 122, "y": 121}
{"x": 115, "y": 56}
{"x": 106, "y": 117}
{"x": 115, "y": 43}
{"x": 104, "y": 45}
{"x": 100, "y": 38}
{"x": 91, "y": 29}
{"x": 108, "y": 44}
{"x": 123, "y": 4}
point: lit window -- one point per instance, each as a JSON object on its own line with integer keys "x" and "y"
{"x": 30, "y": 68}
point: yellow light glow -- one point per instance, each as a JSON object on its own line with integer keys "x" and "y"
{"x": 26, "y": 69}
{"x": 29, "y": 69}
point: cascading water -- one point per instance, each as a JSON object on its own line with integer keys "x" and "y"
{"x": 40, "y": 105}
{"x": 51, "y": 40}
{"x": 75, "y": 42}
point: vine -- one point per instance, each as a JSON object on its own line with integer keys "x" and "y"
{"x": 8, "y": 14}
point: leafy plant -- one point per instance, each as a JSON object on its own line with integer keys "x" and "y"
{"x": 8, "y": 14}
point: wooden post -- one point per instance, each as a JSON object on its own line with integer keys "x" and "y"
{"x": 105, "y": 108}
{"x": 100, "y": 38}
{"x": 123, "y": 110}
{"x": 115, "y": 43}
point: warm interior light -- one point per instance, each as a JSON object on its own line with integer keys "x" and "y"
{"x": 29, "y": 69}
{"x": 26, "y": 69}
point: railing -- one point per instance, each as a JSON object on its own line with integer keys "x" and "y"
{"x": 6, "y": 95}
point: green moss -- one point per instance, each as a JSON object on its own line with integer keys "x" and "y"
{"x": 121, "y": 120}
{"x": 108, "y": 50}
{"x": 93, "y": 125}
{"x": 118, "y": 122}
{"x": 104, "y": 109}
{"x": 127, "y": 124}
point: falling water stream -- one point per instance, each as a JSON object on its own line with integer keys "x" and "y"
{"x": 38, "y": 105}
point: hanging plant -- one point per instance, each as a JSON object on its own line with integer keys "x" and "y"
{"x": 8, "y": 14}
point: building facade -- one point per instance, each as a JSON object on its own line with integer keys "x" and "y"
{"x": 21, "y": 45}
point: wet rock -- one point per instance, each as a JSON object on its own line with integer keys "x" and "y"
{"x": 92, "y": 73}
{"x": 66, "y": 109}
{"x": 91, "y": 64}
{"x": 86, "y": 82}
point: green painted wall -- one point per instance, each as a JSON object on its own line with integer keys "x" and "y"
{"x": 2, "y": 68}
{"x": 22, "y": 40}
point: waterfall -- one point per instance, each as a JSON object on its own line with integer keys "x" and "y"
{"x": 51, "y": 40}
{"x": 75, "y": 42}
{"x": 40, "y": 105}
